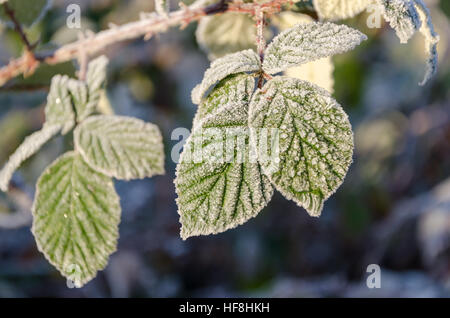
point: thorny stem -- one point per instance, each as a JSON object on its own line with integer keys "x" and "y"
{"x": 153, "y": 24}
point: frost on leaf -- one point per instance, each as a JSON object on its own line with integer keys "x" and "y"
{"x": 79, "y": 92}
{"x": 76, "y": 214}
{"x": 315, "y": 144}
{"x": 402, "y": 16}
{"x": 234, "y": 88}
{"x": 121, "y": 147}
{"x": 243, "y": 61}
{"x": 226, "y": 33}
{"x": 95, "y": 80}
{"x": 309, "y": 42}
{"x": 334, "y": 10}
{"x": 319, "y": 72}
{"x": 58, "y": 110}
{"x": 431, "y": 40}
{"x": 217, "y": 184}
{"x": 29, "y": 147}
{"x": 26, "y": 12}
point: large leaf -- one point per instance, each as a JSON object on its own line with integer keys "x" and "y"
{"x": 219, "y": 187}
{"x": 316, "y": 140}
{"x": 59, "y": 110}
{"x": 234, "y": 88}
{"x": 29, "y": 147}
{"x": 243, "y": 61}
{"x": 76, "y": 214}
{"x": 230, "y": 32}
{"x": 121, "y": 147}
{"x": 309, "y": 42}
{"x": 26, "y": 12}
{"x": 334, "y": 10}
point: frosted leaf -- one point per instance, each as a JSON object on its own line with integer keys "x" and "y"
{"x": 315, "y": 144}
{"x": 402, "y": 16}
{"x": 79, "y": 92}
{"x": 309, "y": 42}
{"x": 234, "y": 88}
{"x": 243, "y": 61}
{"x": 59, "y": 110}
{"x": 431, "y": 40}
{"x": 218, "y": 193}
{"x": 319, "y": 72}
{"x": 95, "y": 79}
{"x": 121, "y": 147}
{"x": 334, "y": 10}
{"x": 26, "y": 12}
{"x": 162, "y": 7}
{"x": 230, "y": 32}
{"x": 29, "y": 147}
{"x": 76, "y": 214}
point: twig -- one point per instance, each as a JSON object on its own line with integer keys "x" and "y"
{"x": 154, "y": 24}
{"x": 260, "y": 40}
{"x": 10, "y": 13}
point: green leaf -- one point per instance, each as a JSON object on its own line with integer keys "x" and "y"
{"x": 309, "y": 42}
{"x": 95, "y": 80}
{"x": 76, "y": 214}
{"x": 315, "y": 140}
{"x": 27, "y": 12}
{"x": 79, "y": 92}
{"x": 59, "y": 110}
{"x": 234, "y": 88}
{"x": 219, "y": 187}
{"x": 334, "y": 10}
{"x": 29, "y": 147}
{"x": 243, "y": 61}
{"x": 227, "y": 33}
{"x": 121, "y": 147}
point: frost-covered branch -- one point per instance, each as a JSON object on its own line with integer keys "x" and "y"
{"x": 147, "y": 26}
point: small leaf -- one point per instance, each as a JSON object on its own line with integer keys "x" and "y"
{"x": 29, "y": 147}
{"x": 243, "y": 61}
{"x": 26, "y": 12}
{"x": 402, "y": 16}
{"x": 319, "y": 72}
{"x": 59, "y": 110}
{"x": 230, "y": 32}
{"x": 309, "y": 42}
{"x": 234, "y": 88}
{"x": 76, "y": 214}
{"x": 431, "y": 40}
{"x": 121, "y": 147}
{"x": 315, "y": 140}
{"x": 333, "y": 10}
{"x": 216, "y": 191}
{"x": 95, "y": 79}
{"x": 80, "y": 96}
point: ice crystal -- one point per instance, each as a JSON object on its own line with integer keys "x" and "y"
{"x": 402, "y": 16}
{"x": 58, "y": 110}
{"x": 316, "y": 140}
{"x": 121, "y": 147}
{"x": 243, "y": 61}
{"x": 309, "y": 42}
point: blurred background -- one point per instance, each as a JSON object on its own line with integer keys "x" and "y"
{"x": 392, "y": 210}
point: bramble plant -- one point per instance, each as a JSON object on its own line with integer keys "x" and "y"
{"x": 266, "y": 120}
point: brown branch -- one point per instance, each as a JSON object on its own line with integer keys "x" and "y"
{"x": 12, "y": 16}
{"x": 152, "y": 25}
